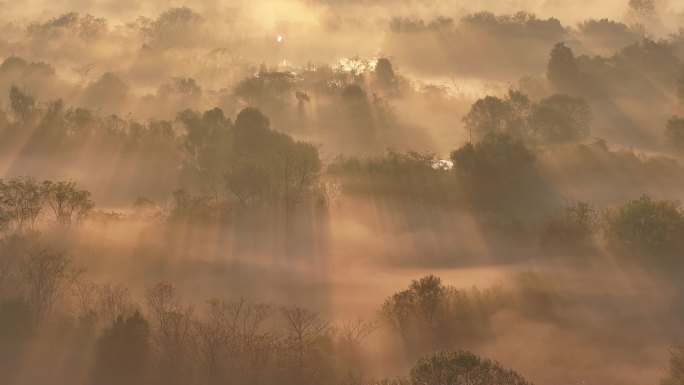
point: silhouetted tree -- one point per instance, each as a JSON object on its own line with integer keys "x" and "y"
{"x": 175, "y": 27}
{"x": 385, "y": 77}
{"x": 647, "y": 229}
{"x": 22, "y": 105}
{"x": 562, "y": 69}
{"x": 266, "y": 89}
{"x": 488, "y": 115}
{"x": 67, "y": 203}
{"x": 110, "y": 90}
{"x": 571, "y": 228}
{"x": 496, "y": 170}
{"x": 181, "y": 87}
{"x": 124, "y": 353}
{"x": 113, "y": 301}
{"x": 302, "y": 324}
{"x": 429, "y": 314}
{"x": 268, "y": 167}
{"x": 47, "y": 275}
{"x": 172, "y": 333}
{"x": 462, "y": 368}
{"x": 230, "y": 343}
{"x": 643, "y": 12}
{"x": 21, "y": 203}
{"x": 561, "y": 118}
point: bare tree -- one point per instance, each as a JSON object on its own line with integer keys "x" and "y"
{"x": 228, "y": 329}
{"x": 85, "y": 293}
{"x": 242, "y": 316}
{"x": 353, "y": 332}
{"x": 173, "y": 333}
{"x": 113, "y": 301}
{"x": 82, "y": 72}
{"x": 47, "y": 275}
{"x": 162, "y": 300}
{"x": 302, "y": 323}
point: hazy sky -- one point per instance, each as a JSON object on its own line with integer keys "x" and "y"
{"x": 569, "y": 11}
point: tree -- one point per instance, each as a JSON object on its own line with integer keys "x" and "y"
{"x": 462, "y": 368}
{"x": 110, "y": 90}
{"x": 646, "y": 229}
{"x": 113, "y": 302}
{"x": 268, "y": 167}
{"x": 22, "y": 104}
{"x": 674, "y": 131}
{"x": 174, "y": 27}
{"x": 357, "y": 110}
{"x": 85, "y": 291}
{"x": 296, "y": 174}
{"x": 385, "y": 77}
{"x": 419, "y": 311}
{"x": 266, "y": 89}
{"x": 302, "y": 324}
{"x": 353, "y": 332}
{"x": 47, "y": 275}
{"x": 67, "y": 203}
{"x": 570, "y": 229}
{"x": 398, "y": 311}
{"x": 247, "y": 181}
{"x": 496, "y": 170}
{"x": 302, "y": 353}
{"x": 561, "y": 118}
{"x": 252, "y": 130}
{"x": 21, "y": 203}
{"x": 487, "y": 115}
{"x": 181, "y": 88}
{"x": 646, "y": 7}
{"x": 123, "y": 355}
{"x": 429, "y": 315}
{"x": 643, "y": 12}
{"x": 430, "y": 296}
{"x": 205, "y": 138}
{"x": 494, "y": 115}
{"x": 562, "y": 70}
{"x": 172, "y": 332}
{"x": 191, "y": 208}
{"x": 229, "y": 340}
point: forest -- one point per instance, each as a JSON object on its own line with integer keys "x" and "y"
{"x": 348, "y": 192}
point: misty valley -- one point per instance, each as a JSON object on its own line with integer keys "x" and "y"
{"x": 318, "y": 192}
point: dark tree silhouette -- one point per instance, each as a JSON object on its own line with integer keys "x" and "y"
{"x": 123, "y": 354}
{"x": 462, "y": 368}
{"x": 562, "y": 70}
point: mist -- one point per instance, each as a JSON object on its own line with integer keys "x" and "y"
{"x": 341, "y": 192}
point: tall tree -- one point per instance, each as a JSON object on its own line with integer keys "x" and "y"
{"x": 47, "y": 275}
{"x": 562, "y": 70}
